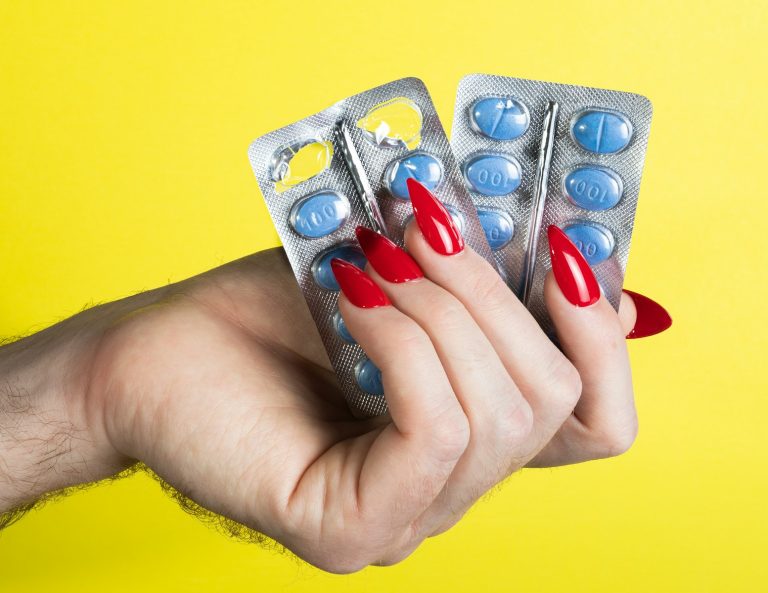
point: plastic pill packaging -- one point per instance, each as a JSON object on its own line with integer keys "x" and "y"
{"x": 534, "y": 154}
{"x": 347, "y": 166}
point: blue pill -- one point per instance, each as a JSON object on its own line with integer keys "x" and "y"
{"x": 593, "y": 188}
{"x": 420, "y": 166}
{"x": 493, "y": 174}
{"x": 321, "y": 267}
{"x": 498, "y": 227}
{"x": 603, "y": 132}
{"x": 500, "y": 118}
{"x": 319, "y": 214}
{"x": 341, "y": 328}
{"x": 595, "y": 242}
{"x": 368, "y": 377}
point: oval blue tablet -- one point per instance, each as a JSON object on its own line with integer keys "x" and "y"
{"x": 420, "y": 166}
{"x": 498, "y": 227}
{"x": 321, "y": 267}
{"x": 319, "y": 214}
{"x": 595, "y": 242}
{"x": 500, "y": 118}
{"x": 602, "y": 132}
{"x": 593, "y": 188}
{"x": 341, "y": 328}
{"x": 368, "y": 377}
{"x": 492, "y": 174}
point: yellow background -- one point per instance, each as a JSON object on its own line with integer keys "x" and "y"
{"x": 123, "y": 136}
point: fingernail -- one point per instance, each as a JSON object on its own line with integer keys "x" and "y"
{"x": 435, "y": 222}
{"x": 652, "y": 318}
{"x": 357, "y": 285}
{"x": 572, "y": 272}
{"x": 391, "y": 262}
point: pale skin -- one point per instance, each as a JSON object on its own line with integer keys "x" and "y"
{"x": 221, "y": 385}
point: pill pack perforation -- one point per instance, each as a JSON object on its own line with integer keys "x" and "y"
{"x": 312, "y": 187}
{"x": 598, "y": 150}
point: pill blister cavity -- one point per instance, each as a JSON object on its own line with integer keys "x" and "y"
{"x": 298, "y": 162}
{"x": 498, "y": 227}
{"x": 321, "y": 267}
{"x": 595, "y": 241}
{"x": 368, "y": 377}
{"x": 341, "y": 328}
{"x": 319, "y": 214}
{"x": 421, "y": 166}
{"x": 593, "y": 188}
{"x": 393, "y": 123}
{"x": 499, "y": 118}
{"x": 601, "y": 131}
{"x": 493, "y": 174}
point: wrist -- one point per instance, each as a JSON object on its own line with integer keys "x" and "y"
{"x": 52, "y": 433}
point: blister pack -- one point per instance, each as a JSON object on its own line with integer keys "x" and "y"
{"x": 534, "y": 154}
{"x": 348, "y": 166}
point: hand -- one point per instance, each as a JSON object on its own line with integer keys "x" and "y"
{"x": 239, "y": 409}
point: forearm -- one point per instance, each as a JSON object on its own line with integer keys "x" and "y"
{"x": 51, "y": 428}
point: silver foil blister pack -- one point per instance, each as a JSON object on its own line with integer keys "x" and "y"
{"x": 347, "y": 166}
{"x": 535, "y": 154}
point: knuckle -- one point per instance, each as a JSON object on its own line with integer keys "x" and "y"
{"x": 409, "y": 335}
{"x": 565, "y": 383}
{"x": 616, "y": 440}
{"x": 444, "y": 308}
{"x": 512, "y": 423}
{"x": 449, "y": 435}
{"x": 447, "y": 313}
{"x": 395, "y": 557}
{"x": 448, "y": 524}
{"x": 402, "y": 546}
{"x": 342, "y": 563}
{"x": 410, "y": 339}
{"x": 487, "y": 288}
{"x": 347, "y": 552}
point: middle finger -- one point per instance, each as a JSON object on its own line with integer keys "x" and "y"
{"x": 500, "y": 419}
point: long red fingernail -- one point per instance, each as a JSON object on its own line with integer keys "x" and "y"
{"x": 358, "y": 286}
{"x": 435, "y": 222}
{"x": 391, "y": 262}
{"x": 652, "y": 318}
{"x": 572, "y": 272}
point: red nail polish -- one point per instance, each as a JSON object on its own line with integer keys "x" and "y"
{"x": 652, "y": 318}
{"x": 572, "y": 272}
{"x": 433, "y": 219}
{"x": 357, "y": 286}
{"x": 391, "y": 262}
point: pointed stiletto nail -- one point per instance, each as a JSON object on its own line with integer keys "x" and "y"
{"x": 391, "y": 262}
{"x": 572, "y": 272}
{"x": 652, "y": 318}
{"x": 434, "y": 220}
{"x": 357, "y": 286}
